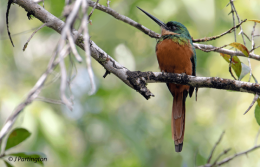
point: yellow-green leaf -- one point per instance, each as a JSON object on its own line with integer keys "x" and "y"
{"x": 254, "y": 20}
{"x": 235, "y": 63}
{"x": 240, "y": 47}
{"x": 258, "y": 102}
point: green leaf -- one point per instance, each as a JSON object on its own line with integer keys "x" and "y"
{"x": 257, "y": 113}
{"x": 236, "y": 63}
{"x": 17, "y": 136}
{"x": 240, "y": 47}
{"x": 35, "y": 157}
{"x": 245, "y": 70}
{"x": 8, "y": 164}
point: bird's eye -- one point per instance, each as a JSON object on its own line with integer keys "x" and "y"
{"x": 174, "y": 28}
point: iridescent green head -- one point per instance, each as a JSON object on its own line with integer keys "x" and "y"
{"x": 177, "y": 27}
{"x": 172, "y": 26}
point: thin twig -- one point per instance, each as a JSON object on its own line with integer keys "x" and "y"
{"x": 237, "y": 155}
{"x": 252, "y": 38}
{"x": 235, "y": 37}
{"x": 7, "y": 25}
{"x": 54, "y": 79}
{"x": 246, "y": 36}
{"x": 213, "y": 149}
{"x": 253, "y": 46}
{"x": 93, "y": 10}
{"x": 52, "y": 101}
{"x": 253, "y": 102}
{"x": 25, "y": 45}
{"x": 108, "y": 3}
{"x": 213, "y": 49}
{"x": 254, "y": 49}
{"x": 220, "y": 155}
{"x": 87, "y": 48}
{"x": 73, "y": 47}
{"x": 106, "y": 73}
{"x": 207, "y": 48}
{"x": 218, "y": 36}
{"x": 63, "y": 82}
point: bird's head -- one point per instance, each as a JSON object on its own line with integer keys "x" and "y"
{"x": 173, "y": 27}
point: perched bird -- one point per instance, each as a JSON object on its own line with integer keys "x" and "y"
{"x": 176, "y": 54}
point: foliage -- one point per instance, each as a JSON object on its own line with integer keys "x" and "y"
{"x": 17, "y": 136}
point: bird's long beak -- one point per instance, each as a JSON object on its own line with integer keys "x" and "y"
{"x": 159, "y": 22}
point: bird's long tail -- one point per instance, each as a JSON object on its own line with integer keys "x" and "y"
{"x": 178, "y": 120}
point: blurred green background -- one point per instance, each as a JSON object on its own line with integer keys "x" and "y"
{"x": 116, "y": 126}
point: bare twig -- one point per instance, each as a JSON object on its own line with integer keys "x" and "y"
{"x": 253, "y": 102}
{"x": 108, "y": 3}
{"x": 226, "y": 160}
{"x": 246, "y": 36}
{"x": 221, "y": 35}
{"x": 52, "y": 101}
{"x": 25, "y": 45}
{"x": 237, "y": 155}
{"x": 252, "y": 38}
{"x": 64, "y": 78}
{"x": 234, "y": 23}
{"x": 213, "y": 149}
{"x": 220, "y": 155}
{"x": 7, "y": 25}
{"x": 207, "y": 48}
{"x": 73, "y": 47}
{"x": 92, "y": 10}
{"x": 254, "y": 49}
{"x": 106, "y": 73}
{"x": 87, "y": 48}
{"x": 212, "y": 49}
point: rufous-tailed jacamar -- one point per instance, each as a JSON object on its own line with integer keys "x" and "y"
{"x": 176, "y": 54}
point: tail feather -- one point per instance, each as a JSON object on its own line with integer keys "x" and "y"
{"x": 178, "y": 119}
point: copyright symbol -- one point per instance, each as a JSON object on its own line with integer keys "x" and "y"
{"x": 10, "y": 158}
